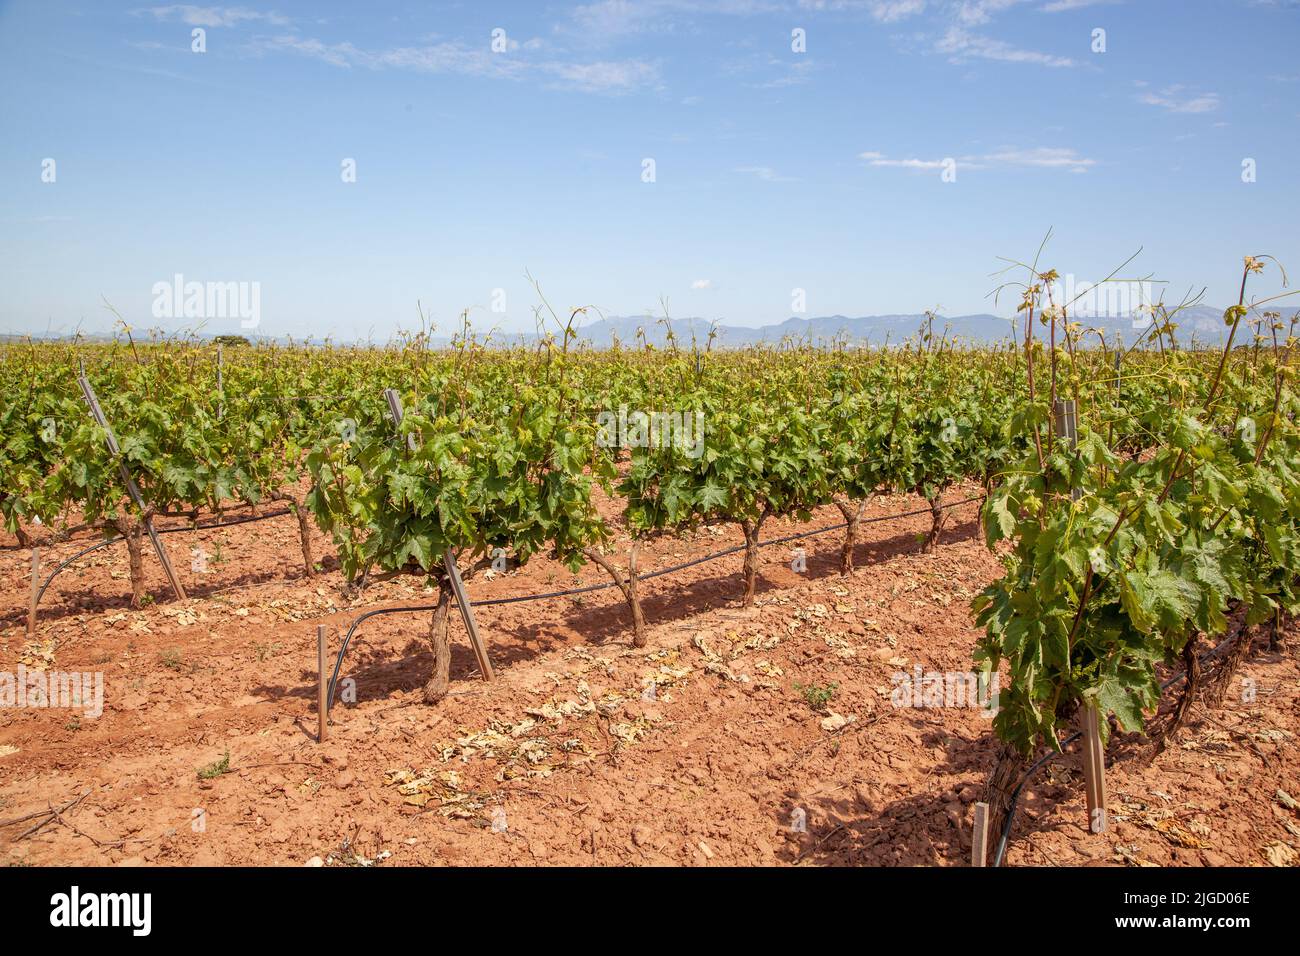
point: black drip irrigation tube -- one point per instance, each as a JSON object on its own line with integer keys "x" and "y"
{"x": 1049, "y": 757}
{"x": 114, "y": 540}
{"x": 586, "y": 589}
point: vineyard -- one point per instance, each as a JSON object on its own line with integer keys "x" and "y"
{"x": 640, "y": 539}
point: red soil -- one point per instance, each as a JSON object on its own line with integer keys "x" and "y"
{"x": 563, "y": 749}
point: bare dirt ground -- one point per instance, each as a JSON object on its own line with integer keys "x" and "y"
{"x": 568, "y": 758}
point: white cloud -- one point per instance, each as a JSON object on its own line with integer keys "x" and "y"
{"x": 702, "y": 284}
{"x": 978, "y": 12}
{"x": 952, "y": 25}
{"x": 792, "y": 73}
{"x": 766, "y": 173}
{"x": 892, "y": 11}
{"x": 614, "y": 18}
{"x": 1045, "y": 157}
{"x": 619, "y": 76}
{"x": 607, "y": 20}
{"x": 1061, "y": 6}
{"x": 1041, "y": 157}
{"x": 961, "y": 44}
{"x": 883, "y": 11}
{"x": 876, "y": 159}
{"x": 197, "y": 16}
{"x": 336, "y": 54}
{"x": 1176, "y": 100}
{"x": 602, "y": 76}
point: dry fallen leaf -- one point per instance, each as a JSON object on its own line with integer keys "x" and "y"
{"x": 38, "y": 655}
{"x": 1279, "y": 854}
{"x": 835, "y": 722}
{"x": 630, "y": 732}
{"x": 1176, "y": 835}
{"x": 1130, "y": 856}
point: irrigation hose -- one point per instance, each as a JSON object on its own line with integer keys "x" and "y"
{"x": 586, "y": 589}
{"x": 1052, "y": 755}
{"x": 114, "y": 540}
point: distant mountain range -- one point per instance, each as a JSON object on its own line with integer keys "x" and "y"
{"x": 1200, "y": 324}
{"x": 822, "y": 330}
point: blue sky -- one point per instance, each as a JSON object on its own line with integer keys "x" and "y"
{"x": 774, "y": 170}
